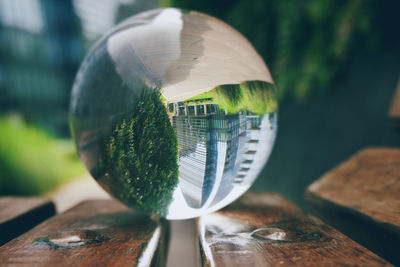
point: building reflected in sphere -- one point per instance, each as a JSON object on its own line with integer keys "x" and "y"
{"x": 174, "y": 113}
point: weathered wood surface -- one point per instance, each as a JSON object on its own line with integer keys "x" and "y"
{"x": 394, "y": 111}
{"x": 93, "y": 233}
{"x": 19, "y": 214}
{"x": 368, "y": 183}
{"x": 367, "y": 188}
{"x": 267, "y": 230}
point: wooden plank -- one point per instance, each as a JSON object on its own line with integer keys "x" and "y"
{"x": 267, "y": 230}
{"x": 364, "y": 191}
{"x": 368, "y": 183}
{"x": 19, "y": 214}
{"x": 394, "y": 111}
{"x": 93, "y": 233}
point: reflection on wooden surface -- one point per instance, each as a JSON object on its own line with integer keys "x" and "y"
{"x": 267, "y": 230}
{"x": 94, "y": 233}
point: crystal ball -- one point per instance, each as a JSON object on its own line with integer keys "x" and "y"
{"x": 174, "y": 113}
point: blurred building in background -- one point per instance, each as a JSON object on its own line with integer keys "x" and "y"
{"x": 98, "y": 16}
{"x": 42, "y": 43}
{"x": 40, "y": 50}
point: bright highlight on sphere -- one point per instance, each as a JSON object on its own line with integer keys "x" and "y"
{"x": 174, "y": 113}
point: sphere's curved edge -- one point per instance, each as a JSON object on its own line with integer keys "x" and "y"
{"x": 208, "y": 211}
{"x": 169, "y": 117}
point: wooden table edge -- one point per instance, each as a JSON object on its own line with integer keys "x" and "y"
{"x": 321, "y": 202}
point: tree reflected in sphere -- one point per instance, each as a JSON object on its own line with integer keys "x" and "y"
{"x": 174, "y": 113}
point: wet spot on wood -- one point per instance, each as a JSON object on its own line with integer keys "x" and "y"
{"x": 71, "y": 239}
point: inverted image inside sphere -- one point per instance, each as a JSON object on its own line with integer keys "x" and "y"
{"x": 174, "y": 113}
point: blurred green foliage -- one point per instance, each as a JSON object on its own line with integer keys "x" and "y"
{"x": 305, "y": 43}
{"x": 256, "y": 96}
{"x": 31, "y": 161}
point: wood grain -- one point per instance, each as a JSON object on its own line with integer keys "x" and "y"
{"x": 267, "y": 230}
{"x": 366, "y": 188}
{"x": 368, "y": 183}
{"x": 93, "y": 233}
{"x": 394, "y": 111}
{"x": 19, "y": 214}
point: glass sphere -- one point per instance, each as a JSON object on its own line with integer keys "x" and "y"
{"x": 174, "y": 113}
